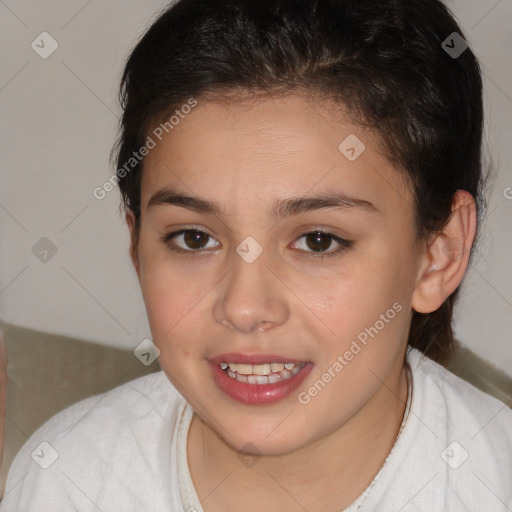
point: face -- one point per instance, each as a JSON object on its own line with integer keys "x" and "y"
{"x": 236, "y": 265}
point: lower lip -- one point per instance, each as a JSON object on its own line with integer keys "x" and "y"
{"x": 256, "y": 394}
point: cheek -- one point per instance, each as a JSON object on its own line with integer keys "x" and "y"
{"x": 361, "y": 300}
{"x": 171, "y": 298}
{"x": 171, "y": 309}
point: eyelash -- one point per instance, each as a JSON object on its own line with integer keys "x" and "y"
{"x": 344, "y": 244}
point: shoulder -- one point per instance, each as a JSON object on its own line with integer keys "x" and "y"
{"x": 455, "y": 450}
{"x": 460, "y": 399}
{"x": 468, "y": 432}
{"x": 116, "y": 409}
{"x": 96, "y": 441}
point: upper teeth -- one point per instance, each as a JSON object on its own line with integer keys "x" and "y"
{"x": 257, "y": 369}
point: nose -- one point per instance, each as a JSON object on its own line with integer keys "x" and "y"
{"x": 251, "y": 299}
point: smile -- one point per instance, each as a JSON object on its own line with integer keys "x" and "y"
{"x": 269, "y": 373}
{"x": 258, "y": 384}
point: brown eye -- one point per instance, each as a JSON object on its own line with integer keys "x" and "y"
{"x": 188, "y": 240}
{"x": 318, "y": 241}
{"x": 195, "y": 239}
{"x": 317, "y": 244}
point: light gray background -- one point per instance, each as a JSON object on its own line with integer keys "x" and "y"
{"x": 59, "y": 121}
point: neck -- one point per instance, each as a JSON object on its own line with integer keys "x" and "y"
{"x": 328, "y": 474}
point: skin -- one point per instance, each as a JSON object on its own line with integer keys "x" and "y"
{"x": 246, "y": 155}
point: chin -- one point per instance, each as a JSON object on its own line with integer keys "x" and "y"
{"x": 253, "y": 438}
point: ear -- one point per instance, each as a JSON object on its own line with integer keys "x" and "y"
{"x": 447, "y": 256}
{"x": 134, "y": 237}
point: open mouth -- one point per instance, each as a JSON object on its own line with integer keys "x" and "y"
{"x": 272, "y": 378}
{"x": 269, "y": 373}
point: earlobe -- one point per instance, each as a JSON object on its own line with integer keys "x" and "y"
{"x": 131, "y": 222}
{"x": 447, "y": 256}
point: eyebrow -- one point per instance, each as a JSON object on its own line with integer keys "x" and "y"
{"x": 281, "y": 208}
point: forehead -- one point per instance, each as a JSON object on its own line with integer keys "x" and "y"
{"x": 268, "y": 148}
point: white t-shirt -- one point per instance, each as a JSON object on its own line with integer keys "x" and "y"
{"x": 125, "y": 450}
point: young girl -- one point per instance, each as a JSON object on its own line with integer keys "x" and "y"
{"x": 302, "y": 183}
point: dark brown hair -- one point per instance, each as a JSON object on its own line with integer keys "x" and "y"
{"x": 384, "y": 61}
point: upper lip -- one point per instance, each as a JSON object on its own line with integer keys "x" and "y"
{"x": 239, "y": 358}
